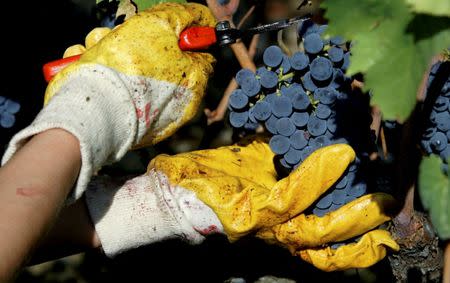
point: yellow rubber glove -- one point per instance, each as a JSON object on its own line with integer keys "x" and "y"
{"x": 167, "y": 84}
{"x": 239, "y": 183}
{"x": 132, "y": 87}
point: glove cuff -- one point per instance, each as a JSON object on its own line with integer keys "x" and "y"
{"x": 99, "y": 113}
{"x": 144, "y": 210}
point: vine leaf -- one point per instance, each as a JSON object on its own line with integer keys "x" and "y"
{"x": 434, "y": 191}
{"x": 435, "y": 7}
{"x": 391, "y": 46}
{"x": 144, "y": 4}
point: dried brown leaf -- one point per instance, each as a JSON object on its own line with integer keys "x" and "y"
{"x": 127, "y": 8}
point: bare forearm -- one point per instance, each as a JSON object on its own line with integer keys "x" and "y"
{"x": 33, "y": 187}
{"x": 73, "y": 232}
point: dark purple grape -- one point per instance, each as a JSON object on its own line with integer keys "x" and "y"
{"x": 285, "y": 127}
{"x": 271, "y": 124}
{"x": 316, "y": 126}
{"x": 325, "y": 95}
{"x": 299, "y": 61}
{"x": 321, "y": 69}
{"x": 273, "y": 56}
{"x": 292, "y": 156}
{"x": 238, "y": 119}
{"x": 313, "y": 44}
{"x": 281, "y": 106}
{"x": 299, "y": 139}
{"x": 262, "y": 111}
{"x": 300, "y": 101}
{"x": 279, "y": 144}
{"x": 238, "y": 99}
{"x": 335, "y": 54}
{"x": 300, "y": 119}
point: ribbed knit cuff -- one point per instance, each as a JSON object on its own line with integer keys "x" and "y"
{"x": 145, "y": 210}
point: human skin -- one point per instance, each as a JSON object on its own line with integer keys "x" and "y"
{"x": 34, "y": 184}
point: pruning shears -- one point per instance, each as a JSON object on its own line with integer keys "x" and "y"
{"x": 195, "y": 38}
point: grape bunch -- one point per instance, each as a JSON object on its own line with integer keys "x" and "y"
{"x": 305, "y": 102}
{"x": 436, "y": 137}
{"x": 7, "y": 110}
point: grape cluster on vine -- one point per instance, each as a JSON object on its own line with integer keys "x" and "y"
{"x": 305, "y": 102}
{"x": 436, "y": 137}
{"x": 7, "y": 110}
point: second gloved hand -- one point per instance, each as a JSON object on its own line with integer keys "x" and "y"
{"x": 233, "y": 190}
{"x": 132, "y": 88}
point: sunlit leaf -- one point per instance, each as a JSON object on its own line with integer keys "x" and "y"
{"x": 434, "y": 7}
{"x": 144, "y": 4}
{"x": 391, "y": 46}
{"x": 434, "y": 190}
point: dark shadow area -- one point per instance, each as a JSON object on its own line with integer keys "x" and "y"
{"x": 216, "y": 260}
{"x": 426, "y": 26}
{"x": 34, "y": 33}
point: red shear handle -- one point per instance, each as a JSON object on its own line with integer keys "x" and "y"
{"x": 52, "y": 68}
{"x": 191, "y": 39}
{"x": 197, "y": 38}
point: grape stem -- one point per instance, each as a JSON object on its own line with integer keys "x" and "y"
{"x": 377, "y": 129}
{"x": 408, "y": 161}
{"x": 383, "y": 143}
{"x": 287, "y": 76}
{"x": 405, "y": 216}
{"x": 376, "y": 120}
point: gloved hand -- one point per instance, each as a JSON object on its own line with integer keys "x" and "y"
{"x": 234, "y": 190}
{"x": 165, "y": 84}
{"x": 132, "y": 88}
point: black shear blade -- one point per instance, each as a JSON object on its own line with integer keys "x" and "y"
{"x": 275, "y": 25}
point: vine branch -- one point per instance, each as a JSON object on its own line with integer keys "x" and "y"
{"x": 446, "y": 272}
{"x": 218, "y": 114}
{"x": 246, "y": 16}
{"x": 412, "y": 229}
{"x": 245, "y": 58}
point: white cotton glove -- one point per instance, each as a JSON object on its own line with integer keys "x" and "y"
{"x": 133, "y": 88}
{"x": 145, "y": 210}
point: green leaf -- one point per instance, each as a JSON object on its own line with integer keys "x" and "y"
{"x": 351, "y": 17}
{"x": 434, "y": 7}
{"x": 434, "y": 191}
{"x": 144, "y": 4}
{"x": 392, "y": 47}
